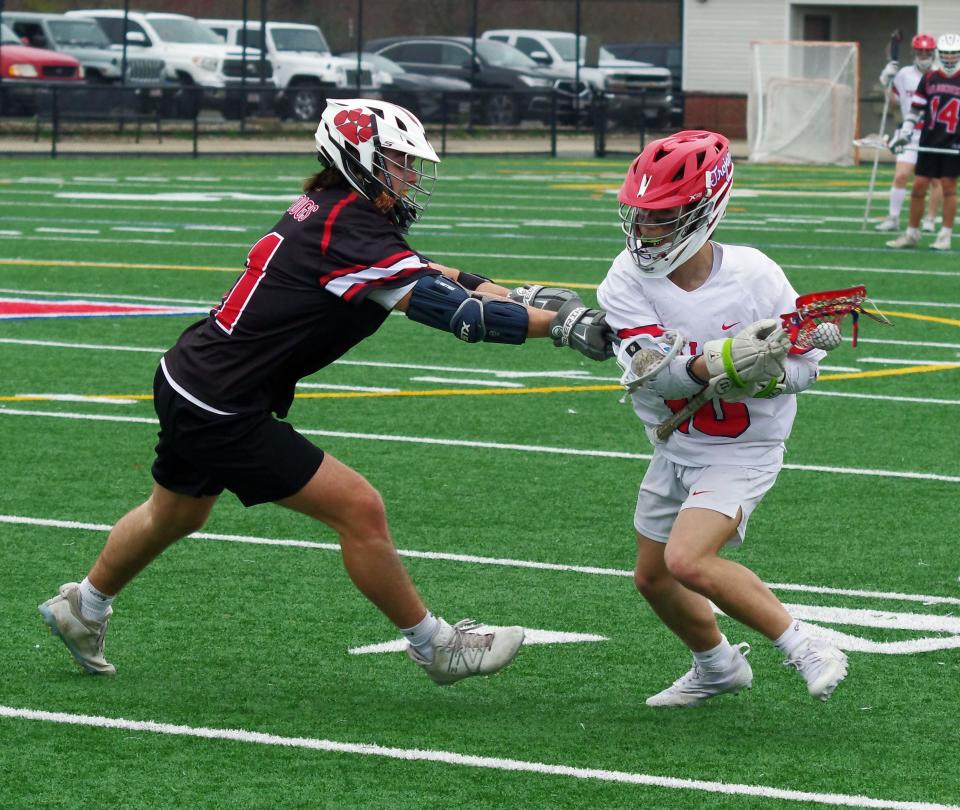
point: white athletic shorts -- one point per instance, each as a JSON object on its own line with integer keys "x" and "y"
{"x": 910, "y": 155}
{"x": 668, "y": 488}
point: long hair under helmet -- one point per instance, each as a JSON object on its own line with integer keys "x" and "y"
{"x": 352, "y": 137}
{"x": 948, "y": 50}
{"x": 690, "y": 171}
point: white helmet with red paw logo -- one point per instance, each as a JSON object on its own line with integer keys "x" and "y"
{"x": 673, "y": 197}
{"x": 383, "y": 152}
{"x": 948, "y": 49}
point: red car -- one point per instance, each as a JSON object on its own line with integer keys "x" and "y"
{"x": 23, "y": 68}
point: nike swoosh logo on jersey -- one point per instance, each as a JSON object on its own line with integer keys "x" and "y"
{"x": 725, "y": 327}
{"x": 700, "y": 491}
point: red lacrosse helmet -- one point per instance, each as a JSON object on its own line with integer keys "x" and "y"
{"x": 691, "y": 172}
{"x": 923, "y": 47}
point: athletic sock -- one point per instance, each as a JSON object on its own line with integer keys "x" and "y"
{"x": 93, "y": 603}
{"x": 913, "y": 232}
{"x": 420, "y": 635}
{"x": 716, "y": 659}
{"x": 791, "y": 639}
{"x": 944, "y": 231}
{"x": 897, "y": 196}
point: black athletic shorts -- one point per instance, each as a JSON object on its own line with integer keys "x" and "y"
{"x": 936, "y": 165}
{"x": 257, "y": 457}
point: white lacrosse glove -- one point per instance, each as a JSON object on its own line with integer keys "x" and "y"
{"x": 757, "y": 390}
{"x": 756, "y": 354}
{"x": 889, "y": 72}
{"x": 902, "y": 137}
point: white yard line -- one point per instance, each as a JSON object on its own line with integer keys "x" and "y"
{"x": 523, "y": 448}
{"x": 464, "y": 760}
{"x": 464, "y": 381}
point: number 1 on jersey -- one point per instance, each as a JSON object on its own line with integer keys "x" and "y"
{"x": 235, "y": 301}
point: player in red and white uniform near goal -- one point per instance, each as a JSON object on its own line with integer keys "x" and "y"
{"x": 710, "y": 474}
{"x": 902, "y": 82}
{"x": 935, "y": 113}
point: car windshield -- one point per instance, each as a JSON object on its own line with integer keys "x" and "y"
{"x": 567, "y": 47}
{"x": 7, "y": 37}
{"x": 80, "y": 33}
{"x": 379, "y": 62}
{"x": 299, "y": 39}
{"x": 501, "y": 55}
{"x": 174, "y": 29}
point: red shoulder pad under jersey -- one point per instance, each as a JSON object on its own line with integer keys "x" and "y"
{"x": 653, "y": 329}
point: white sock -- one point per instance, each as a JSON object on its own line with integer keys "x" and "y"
{"x": 716, "y": 659}
{"x": 420, "y": 635}
{"x": 792, "y": 638}
{"x": 913, "y": 232}
{"x": 946, "y": 231}
{"x": 93, "y": 603}
{"x": 897, "y": 196}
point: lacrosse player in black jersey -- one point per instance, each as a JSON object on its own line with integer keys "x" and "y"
{"x": 936, "y": 113}
{"x": 321, "y": 280}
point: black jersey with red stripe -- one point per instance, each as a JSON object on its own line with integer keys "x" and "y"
{"x": 938, "y": 98}
{"x": 300, "y": 304}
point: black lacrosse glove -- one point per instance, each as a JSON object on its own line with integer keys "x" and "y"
{"x": 583, "y": 329}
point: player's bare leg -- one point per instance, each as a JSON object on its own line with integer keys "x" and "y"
{"x": 934, "y": 204}
{"x": 343, "y": 499}
{"x": 79, "y": 614}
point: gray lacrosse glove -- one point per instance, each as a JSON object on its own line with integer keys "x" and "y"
{"x": 901, "y": 137}
{"x": 537, "y": 296}
{"x": 755, "y": 354}
{"x": 583, "y": 329}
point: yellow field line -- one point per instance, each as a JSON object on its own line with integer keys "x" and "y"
{"x": 890, "y": 372}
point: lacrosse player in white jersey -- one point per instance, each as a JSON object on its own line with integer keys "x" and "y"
{"x": 902, "y": 82}
{"x": 707, "y": 308}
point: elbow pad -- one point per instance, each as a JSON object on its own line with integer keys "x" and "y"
{"x": 799, "y": 375}
{"x": 676, "y": 380}
{"x": 443, "y": 304}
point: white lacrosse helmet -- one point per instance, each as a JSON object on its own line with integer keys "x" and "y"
{"x": 948, "y": 49}
{"x": 353, "y": 137}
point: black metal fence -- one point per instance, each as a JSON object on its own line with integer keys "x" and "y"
{"x": 59, "y": 118}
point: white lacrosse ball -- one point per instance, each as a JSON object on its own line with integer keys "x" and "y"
{"x": 826, "y": 336}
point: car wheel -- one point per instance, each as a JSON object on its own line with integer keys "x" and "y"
{"x": 502, "y": 110}
{"x": 306, "y": 103}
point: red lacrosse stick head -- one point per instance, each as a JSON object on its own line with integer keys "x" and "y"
{"x": 829, "y": 306}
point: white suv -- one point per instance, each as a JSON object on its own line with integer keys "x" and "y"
{"x": 306, "y": 69}
{"x": 629, "y": 86}
{"x": 193, "y": 54}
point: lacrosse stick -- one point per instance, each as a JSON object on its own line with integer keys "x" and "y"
{"x": 893, "y": 52}
{"x": 645, "y": 364}
{"x": 814, "y": 325}
{"x": 878, "y": 144}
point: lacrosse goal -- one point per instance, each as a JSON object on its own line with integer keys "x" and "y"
{"x": 802, "y": 106}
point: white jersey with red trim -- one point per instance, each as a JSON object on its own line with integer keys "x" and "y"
{"x": 744, "y": 286}
{"x": 904, "y": 85}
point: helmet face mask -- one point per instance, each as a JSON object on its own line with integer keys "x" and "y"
{"x": 673, "y": 197}
{"x": 948, "y": 49}
{"x": 924, "y": 50}
{"x": 382, "y": 151}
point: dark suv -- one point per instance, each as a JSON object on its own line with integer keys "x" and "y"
{"x": 664, "y": 54}
{"x": 512, "y": 85}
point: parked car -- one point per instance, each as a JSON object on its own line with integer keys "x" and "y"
{"x": 515, "y": 87}
{"x": 423, "y": 95}
{"x": 630, "y": 87}
{"x": 26, "y": 69}
{"x": 194, "y": 56}
{"x": 305, "y": 67}
{"x": 665, "y": 54}
{"x": 84, "y": 39}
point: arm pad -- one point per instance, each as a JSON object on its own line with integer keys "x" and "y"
{"x": 443, "y": 304}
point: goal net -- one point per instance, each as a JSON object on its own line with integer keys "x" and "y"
{"x": 802, "y": 105}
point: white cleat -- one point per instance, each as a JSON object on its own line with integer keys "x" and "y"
{"x": 927, "y": 225}
{"x": 462, "y": 650}
{"x": 83, "y": 637}
{"x": 942, "y": 242}
{"x": 822, "y": 665}
{"x": 888, "y": 224}
{"x": 699, "y": 685}
{"x": 905, "y": 240}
